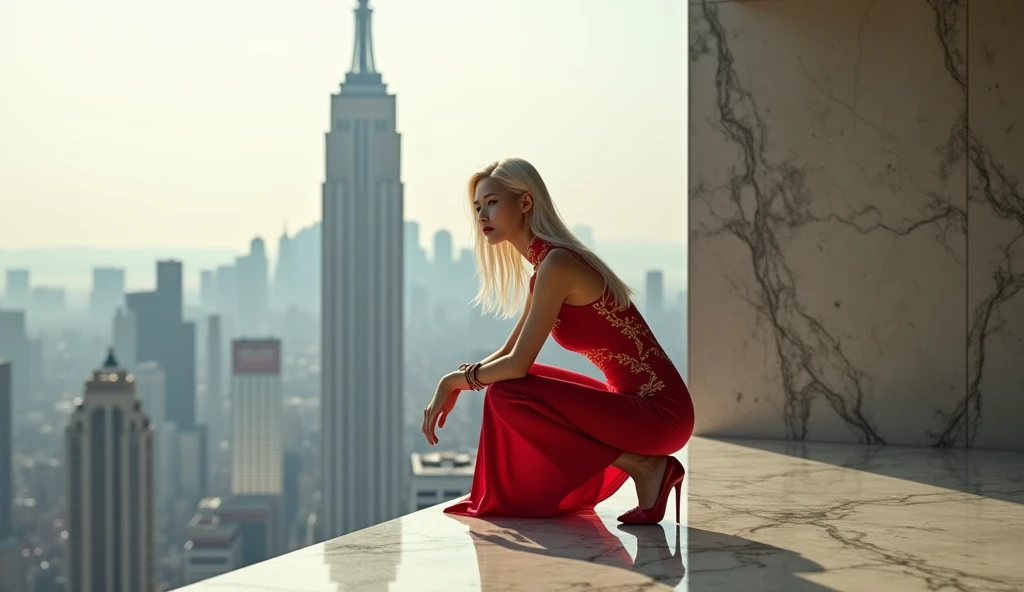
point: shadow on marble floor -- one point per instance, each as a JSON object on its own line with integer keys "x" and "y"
{"x": 580, "y": 550}
{"x": 995, "y": 474}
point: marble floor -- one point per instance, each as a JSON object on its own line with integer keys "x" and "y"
{"x": 758, "y": 515}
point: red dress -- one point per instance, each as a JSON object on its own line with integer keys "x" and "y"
{"x": 548, "y": 439}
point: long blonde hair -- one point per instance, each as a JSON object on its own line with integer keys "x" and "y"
{"x": 504, "y": 277}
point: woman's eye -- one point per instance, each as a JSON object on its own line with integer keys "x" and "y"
{"x": 492, "y": 202}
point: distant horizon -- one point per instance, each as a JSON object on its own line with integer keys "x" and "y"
{"x": 75, "y": 272}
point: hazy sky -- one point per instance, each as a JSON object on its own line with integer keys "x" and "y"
{"x": 201, "y": 122}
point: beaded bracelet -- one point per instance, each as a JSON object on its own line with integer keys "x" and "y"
{"x": 470, "y": 374}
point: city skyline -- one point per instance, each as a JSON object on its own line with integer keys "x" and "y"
{"x": 222, "y": 242}
{"x": 255, "y": 86}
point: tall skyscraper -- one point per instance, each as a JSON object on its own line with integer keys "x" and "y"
{"x": 285, "y": 274}
{"x": 49, "y": 302}
{"x": 442, "y": 250}
{"x": 17, "y": 289}
{"x": 6, "y": 451}
{"x": 257, "y": 416}
{"x": 151, "y": 390}
{"x": 125, "y": 339}
{"x": 110, "y": 487}
{"x": 227, "y": 290}
{"x": 14, "y": 346}
{"x": 169, "y": 287}
{"x": 361, "y": 410}
{"x": 309, "y": 262}
{"x": 253, "y": 287}
{"x": 162, "y": 336}
{"x": 107, "y": 292}
{"x": 207, "y": 290}
{"x": 216, "y": 406}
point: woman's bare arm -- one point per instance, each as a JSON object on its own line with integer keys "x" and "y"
{"x": 555, "y": 280}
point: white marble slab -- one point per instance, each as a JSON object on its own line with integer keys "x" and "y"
{"x": 994, "y": 404}
{"x": 827, "y": 217}
{"x": 758, "y": 516}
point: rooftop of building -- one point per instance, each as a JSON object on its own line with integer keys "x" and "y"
{"x": 442, "y": 464}
{"x": 757, "y": 515}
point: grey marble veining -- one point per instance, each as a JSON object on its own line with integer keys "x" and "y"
{"x": 828, "y": 219}
{"x": 993, "y": 409}
{"x": 758, "y": 515}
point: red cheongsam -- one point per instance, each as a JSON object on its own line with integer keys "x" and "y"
{"x": 548, "y": 439}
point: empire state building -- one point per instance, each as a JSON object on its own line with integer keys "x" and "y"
{"x": 361, "y": 338}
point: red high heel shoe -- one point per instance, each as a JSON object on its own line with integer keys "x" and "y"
{"x": 674, "y": 473}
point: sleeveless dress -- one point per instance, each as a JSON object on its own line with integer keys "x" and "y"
{"x": 548, "y": 439}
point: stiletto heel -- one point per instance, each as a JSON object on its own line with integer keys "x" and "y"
{"x": 673, "y": 479}
{"x": 679, "y": 487}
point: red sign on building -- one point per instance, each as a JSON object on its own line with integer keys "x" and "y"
{"x": 256, "y": 357}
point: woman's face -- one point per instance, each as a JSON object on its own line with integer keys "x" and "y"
{"x": 499, "y": 212}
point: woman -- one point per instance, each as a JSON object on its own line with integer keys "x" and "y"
{"x": 553, "y": 441}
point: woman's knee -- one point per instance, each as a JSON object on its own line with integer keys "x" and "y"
{"x": 504, "y": 392}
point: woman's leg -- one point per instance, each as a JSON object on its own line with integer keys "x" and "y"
{"x": 647, "y": 471}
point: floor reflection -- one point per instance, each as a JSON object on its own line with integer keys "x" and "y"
{"x": 580, "y": 550}
{"x": 367, "y": 563}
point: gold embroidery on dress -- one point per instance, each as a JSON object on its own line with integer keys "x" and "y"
{"x": 629, "y": 327}
{"x": 637, "y": 332}
{"x": 535, "y": 257}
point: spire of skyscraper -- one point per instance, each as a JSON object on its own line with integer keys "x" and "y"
{"x": 363, "y": 71}
{"x": 111, "y": 361}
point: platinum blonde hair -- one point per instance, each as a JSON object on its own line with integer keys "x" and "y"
{"x": 504, "y": 276}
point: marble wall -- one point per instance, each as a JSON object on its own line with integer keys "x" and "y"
{"x": 857, "y": 221}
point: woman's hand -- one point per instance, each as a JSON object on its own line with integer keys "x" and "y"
{"x": 441, "y": 404}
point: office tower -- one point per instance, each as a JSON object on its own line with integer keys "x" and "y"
{"x": 227, "y": 290}
{"x": 110, "y": 487}
{"x": 216, "y": 404}
{"x": 655, "y": 293}
{"x": 285, "y": 274}
{"x": 48, "y": 302}
{"x": 214, "y": 547}
{"x": 17, "y": 289}
{"x": 125, "y": 335}
{"x": 207, "y": 290}
{"x": 438, "y": 477}
{"x": 252, "y": 288}
{"x": 442, "y": 285}
{"x": 257, "y": 415}
{"x": 290, "y": 495}
{"x": 6, "y": 451}
{"x": 169, "y": 287}
{"x": 363, "y": 463}
{"x": 309, "y": 258}
{"x": 14, "y": 346}
{"x": 151, "y": 390}
{"x": 192, "y": 468}
{"x": 107, "y": 292}
{"x": 163, "y": 337}
{"x": 417, "y": 269}
{"x": 258, "y": 519}
{"x": 442, "y": 251}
